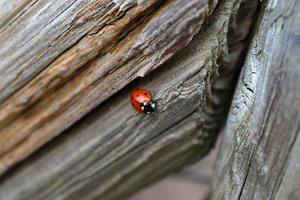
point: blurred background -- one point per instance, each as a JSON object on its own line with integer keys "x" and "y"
{"x": 192, "y": 183}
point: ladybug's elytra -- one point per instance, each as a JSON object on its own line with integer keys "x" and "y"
{"x": 141, "y": 100}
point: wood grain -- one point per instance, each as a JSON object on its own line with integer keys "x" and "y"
{"x": 117, "y": 47}
{"x": 259, "y": 157}
{"x": 115, "y": 151}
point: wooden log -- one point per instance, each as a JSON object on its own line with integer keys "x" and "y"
{"x": 81, "y": 53}
{"x": 259, "y": 155}
{"x": 115, "y": 151}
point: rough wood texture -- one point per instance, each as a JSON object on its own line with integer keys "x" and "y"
{"x": 259, "y": 156}
{"x": 75, "y": 55}
{"x": 114, "y": 151}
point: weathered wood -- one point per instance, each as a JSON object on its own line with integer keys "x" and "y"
{"x": 259, "y": 155}
{"x": 84, "y": 52}
{"x": 114, "y": 151}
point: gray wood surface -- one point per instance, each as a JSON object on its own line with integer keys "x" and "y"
{"x": 115, "y": 151}
{"x": 61, "y": 60}
{"x": 259, "y": 156}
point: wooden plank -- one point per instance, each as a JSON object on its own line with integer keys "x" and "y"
{"x": 120, "y": 47}
{"x": 259, "y": 155}
{"x": 34, "y": 33}
{"x": 115, "y": 151}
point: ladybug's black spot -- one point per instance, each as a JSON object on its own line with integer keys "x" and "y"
{"x": 145, "y": 93}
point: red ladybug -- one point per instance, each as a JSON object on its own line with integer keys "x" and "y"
{"x": 141, "y": 100}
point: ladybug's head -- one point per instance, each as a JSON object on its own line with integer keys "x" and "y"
{"x": 148, "y": 107}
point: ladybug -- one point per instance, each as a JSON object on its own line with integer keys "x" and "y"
{"x": 141, "y": 100}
